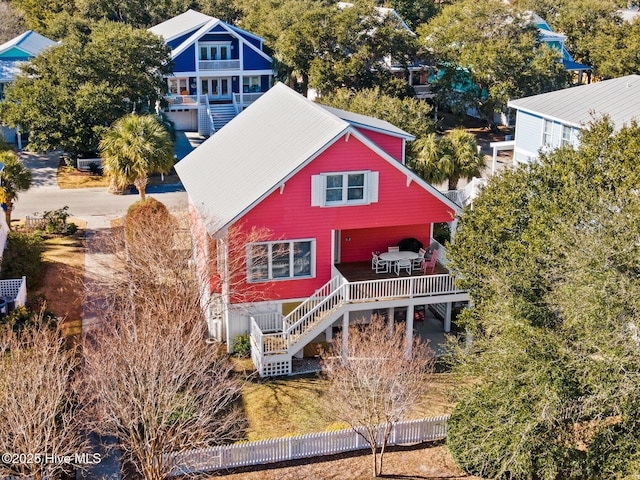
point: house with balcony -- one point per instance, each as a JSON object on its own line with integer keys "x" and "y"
{"x": 13, "y": 53}
{"x": 554, "y": 119}
{"x": 288, "y": 204}
{"x": 219, "y": 70}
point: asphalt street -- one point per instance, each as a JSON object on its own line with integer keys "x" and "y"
{"x": 94, "y": 205}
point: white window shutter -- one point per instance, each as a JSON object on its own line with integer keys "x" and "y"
{"x": 317, "y": 190}
{"x": 372, "y": 186}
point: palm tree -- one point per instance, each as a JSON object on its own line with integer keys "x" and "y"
{"x": 452, "y": 157}
{"x": 15, "y": 177}
{"x": 133, "y": 148}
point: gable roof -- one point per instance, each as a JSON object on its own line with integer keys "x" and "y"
{"x": 619, "y": 98}
{"x": 30, "y": 42}
{"x": 198, "y": 24}
{"x": 180, "y": 24}
{"x": 259, "y": 150}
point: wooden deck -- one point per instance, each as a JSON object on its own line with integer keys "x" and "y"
{"x": 361, "y": 271}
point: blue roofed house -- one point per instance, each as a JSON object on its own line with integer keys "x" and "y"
{"x": 556, "y": 41}
{"x": 12, "y": 53}
{"x": 219, "y": 70}
{"x": 550, "y": 120}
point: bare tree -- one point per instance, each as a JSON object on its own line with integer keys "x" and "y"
{"x": 150, "y": 376}
{"x": 156, "y": 385}
{"x": 10, "y": 22}
{"x": 375, "y": 381}
{"x": 36, "y": 404}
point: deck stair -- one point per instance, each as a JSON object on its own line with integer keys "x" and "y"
{"x": 222, "y": 114}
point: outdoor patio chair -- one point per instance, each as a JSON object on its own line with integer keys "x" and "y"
{"x": 394, "y": 249}
{"x": 403, "y": 264}
{"x": 378, "y": 265}
{"x": 417, "y": 262}
{"x": 429, "y": 266}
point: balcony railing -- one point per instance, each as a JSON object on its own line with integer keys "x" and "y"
{"x": 219, "y": 65}
{"x": 186, "y": 100}
{"x": 247, "y": 98}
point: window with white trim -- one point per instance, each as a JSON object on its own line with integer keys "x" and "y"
{"x": 280, "y": 260}
{"x": 547, "y": 133}
{"x": 250, "y": 84}
{"x": 566, "y": 135}
{"x": 344, "y": 188}
{"x": 215, "y": 50}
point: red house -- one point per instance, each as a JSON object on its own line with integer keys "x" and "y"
{"x": 288, "y": 202}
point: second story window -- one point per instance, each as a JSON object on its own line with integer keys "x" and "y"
{"x": 344, "y": 188}
{"x": 547, "y": 133}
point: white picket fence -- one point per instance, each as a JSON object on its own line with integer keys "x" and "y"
{"x": 35, "y": 222}
{"x": 302, "y": 446}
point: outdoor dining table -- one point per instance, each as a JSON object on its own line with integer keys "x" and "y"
{"x": 393, "y": 257}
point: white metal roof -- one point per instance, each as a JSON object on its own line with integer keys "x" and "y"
{"x": 254, "y": 153}
{"x": 369, "y": 122}
{"x": 9, "y": 69}
{"x": 30, "y": 42}
{"x": 259, "y": 150}
{"x": 619, "y": 98}
{"x": 180, "y": 24}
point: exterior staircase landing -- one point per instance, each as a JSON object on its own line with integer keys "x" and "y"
{"x": 222, "y": 114}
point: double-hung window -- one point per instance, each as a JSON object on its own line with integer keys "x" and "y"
{"x": 280, "y": 260}
{"x": 547, "y": 133}
{"x": 566, "y": 135}
{"x": 344, "y": 188}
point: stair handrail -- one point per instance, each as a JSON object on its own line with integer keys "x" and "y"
{"x": 235, "y": 104}
{"x": 300, "y": 324}
{"x": 297, "y": 313}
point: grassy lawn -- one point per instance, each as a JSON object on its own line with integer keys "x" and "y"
{"x": 294, "y": 406}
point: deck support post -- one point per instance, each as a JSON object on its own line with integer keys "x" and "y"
{"x": 447, "y": 318}
{"x": 409, "y": 332}
{"x": 345, "y": 335}
{"x": 328, "y": 333}
{"x": 390, "y": 320}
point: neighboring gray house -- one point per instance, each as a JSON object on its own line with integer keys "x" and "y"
{"x": 547, "y": 121}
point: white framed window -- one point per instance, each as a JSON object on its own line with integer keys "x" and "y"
{"x": 344, "y": 188}
{"x": 280, "y": 260}
{"x": 251, "y": 84}
{"x": 566, "y": 135}
{"x": 178, "y": 86}
{"x": 215, "y": 50}
{"x": 547, "y": 133}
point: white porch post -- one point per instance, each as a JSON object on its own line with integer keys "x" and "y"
{"x": 241, "y": 90}
{"x": 409, "y": 331}
{"x": 345, "y": 335}
{"x": 447, "y": 318}
{"x": 18, "y": 137}
{"x": 390, "y": 319}
{"x": 328, "y": 333}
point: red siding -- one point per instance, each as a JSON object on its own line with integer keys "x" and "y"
{"x": 357, "y": 245}
{"x": 289, "y": 215}
{"x": 391, "y": 145}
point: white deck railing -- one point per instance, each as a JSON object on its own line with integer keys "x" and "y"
{"x": 247, "y": 98}
{"x": 328, "y": 300}
{"x": 186, "y": 100}
{"x": 303, "y": 446}
{"x": 219, "y": 65}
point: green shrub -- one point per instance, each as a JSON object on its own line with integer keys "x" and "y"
{"x": 56, "y": 220}
{"x": 23, "y": 256}
{"x": 71, "y": 228}
{"x": 242, "y": 345}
